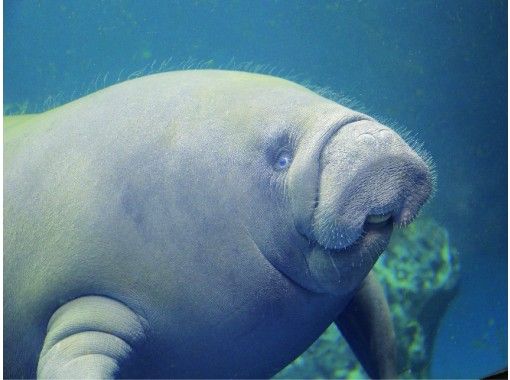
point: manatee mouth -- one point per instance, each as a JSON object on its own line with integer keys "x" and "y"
{"x": 339, "y": 270}
{"x": 378, "y": 219}
{"x": 375, "y": 234}
{"x": 377, "y": 227}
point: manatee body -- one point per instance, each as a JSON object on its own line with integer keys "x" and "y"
{"x": 198, "y": 224}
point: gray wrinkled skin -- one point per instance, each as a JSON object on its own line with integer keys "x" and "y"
{"x": 225, "y": 212}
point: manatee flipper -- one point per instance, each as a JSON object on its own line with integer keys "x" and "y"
{"x": 366, "y": 325}
{"x": 90, "y": 337}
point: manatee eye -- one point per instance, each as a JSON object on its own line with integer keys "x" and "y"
{"x": 283, "y": 161}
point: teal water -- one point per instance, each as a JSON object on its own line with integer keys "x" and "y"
{"x": 437, "y": 68}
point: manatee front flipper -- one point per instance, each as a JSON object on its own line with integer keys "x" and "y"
{"x": 90, "y": 337}
{"x": 366, "y": 325}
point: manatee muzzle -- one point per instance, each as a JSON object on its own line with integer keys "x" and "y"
{"x": 369, "y": 177}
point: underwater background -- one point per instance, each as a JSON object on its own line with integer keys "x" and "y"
{"x": 436, "y": 69}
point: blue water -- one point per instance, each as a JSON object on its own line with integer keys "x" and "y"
{"x": 437, "y": 68}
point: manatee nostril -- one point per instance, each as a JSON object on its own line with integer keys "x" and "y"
{"x": 367, "y": 138}
{"x": 385, "y": 134}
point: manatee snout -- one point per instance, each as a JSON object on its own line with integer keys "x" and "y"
{"x": 369, "y": 177}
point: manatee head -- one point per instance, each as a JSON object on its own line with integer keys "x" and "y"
{"x": 368, "y": 179}
{"x": 316, "y": 186}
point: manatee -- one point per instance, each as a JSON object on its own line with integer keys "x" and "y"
{"x": 199, "y": 224}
